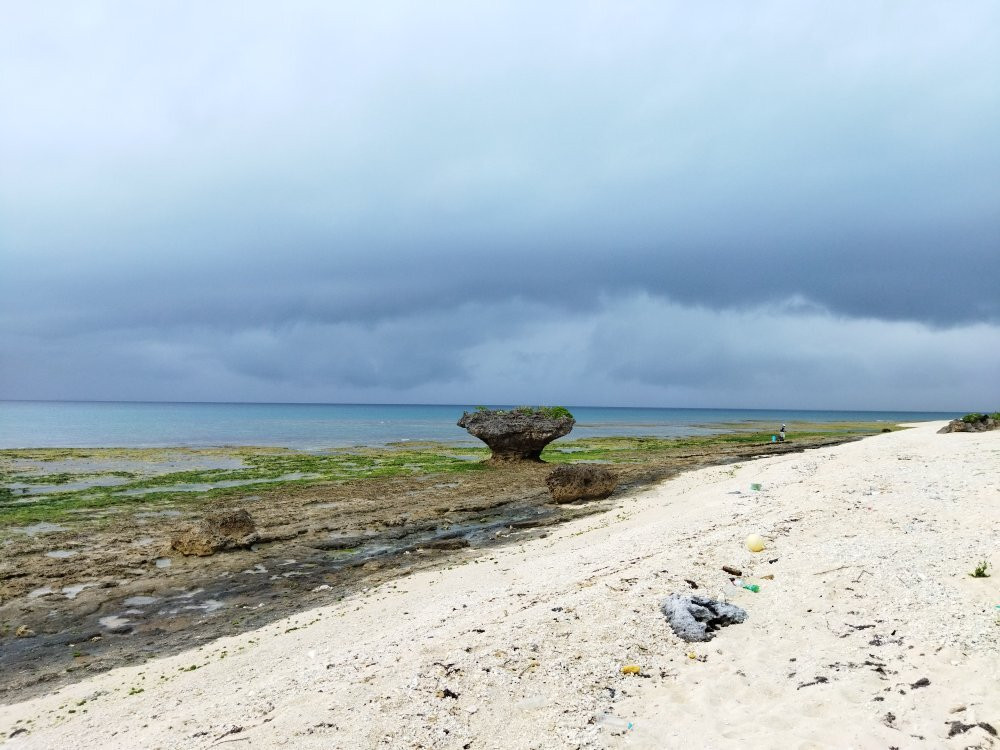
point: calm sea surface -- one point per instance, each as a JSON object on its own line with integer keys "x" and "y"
{"x": 36, "y": 424}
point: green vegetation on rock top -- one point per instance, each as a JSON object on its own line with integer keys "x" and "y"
{"x": 549, "y": 412}
{"x": 974, "y": 417}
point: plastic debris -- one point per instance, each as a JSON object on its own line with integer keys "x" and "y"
{"x": 754, "y": 543}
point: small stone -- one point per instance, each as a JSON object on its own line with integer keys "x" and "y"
{"x": 24, "y": 632}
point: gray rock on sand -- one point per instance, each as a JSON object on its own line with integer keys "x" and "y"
{"x": 516, "y": 435}
{"x": 572, "y": 483}
{"x": 697, "y": 618}
{"x": 983, "y": 424}
{"x": 231, "y": 529}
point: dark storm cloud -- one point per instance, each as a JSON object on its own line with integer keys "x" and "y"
{"x": 282, "y": 197}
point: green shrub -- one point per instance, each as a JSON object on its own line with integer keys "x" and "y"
{"x": 550, "y": 412}
{"x": 555, "y": 412}
{"x": 974, "y": 417}
{"x": 980, "y": 570}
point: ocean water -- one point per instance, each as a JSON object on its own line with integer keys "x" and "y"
{"x": 73, "y": 424}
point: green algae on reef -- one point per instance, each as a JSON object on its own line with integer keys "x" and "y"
{"x": 152, "y": 478}
{"x": 150, "y": 483}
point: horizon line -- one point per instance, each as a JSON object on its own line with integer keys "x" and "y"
{"x": 459, "y": 405}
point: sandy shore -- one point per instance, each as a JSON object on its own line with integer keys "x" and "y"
{"x": 870, "y": 634}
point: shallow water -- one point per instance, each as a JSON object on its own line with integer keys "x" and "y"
{"x": 140, "y": 601}
{"x": 315, "y": 426}
{"x": 168, "y": 513}
{"x": 43, "y": 527}
{"x": 71, "y": 592}
{"x": 113, "y": 622}
{"x": 83, "y": 484}
{"x": 147, "y": 466}
{"x": 205, "y": 486}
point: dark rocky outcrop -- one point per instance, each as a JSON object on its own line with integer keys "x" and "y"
{"x": 519, "y": 434}
{"x": 972, "y": 423}
{"x": 231, "y": 529}
{"x": 345, "y": 541}
{"x": 576, "y": 482}
{"x": 697, "y": 618}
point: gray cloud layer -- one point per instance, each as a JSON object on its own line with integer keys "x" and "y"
{"x": 339, "y": 202}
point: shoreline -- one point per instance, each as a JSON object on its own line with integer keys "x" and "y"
{"x": 870, "y": 634}
{"x": 339, "y": 426}
{"x": 105, "y": 592}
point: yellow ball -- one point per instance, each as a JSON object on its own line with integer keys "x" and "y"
{"x": 754, "y": 543}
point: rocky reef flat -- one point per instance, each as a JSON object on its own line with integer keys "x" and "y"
{"x": 93, "y": 570}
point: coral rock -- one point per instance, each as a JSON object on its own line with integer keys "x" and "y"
{"x": 517, "y": 435}
{"x": 233, "y": 529}
{"x": 569, "y": 484}
{"x": 696, "y": 618}
{"x": 984, "y": 424}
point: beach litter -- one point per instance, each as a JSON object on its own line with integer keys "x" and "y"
{"x": 755, "y": 543}
{"x": 631, "y": 669}
{"x": 614, "y": 722}
{"x": 697, "y": 618}
{"x": 732, "y": 571}
{"x": 755, "y": 487}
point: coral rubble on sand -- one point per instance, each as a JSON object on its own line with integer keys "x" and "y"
{"x": 697, "y": 618}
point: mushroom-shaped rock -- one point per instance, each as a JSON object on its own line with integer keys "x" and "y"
{"x": 518, "y": 434}
{"x": 231, "y": 529}
{"x": 575, "y": 482}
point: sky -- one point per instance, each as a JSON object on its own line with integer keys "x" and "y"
{"x": 726, "y": 204}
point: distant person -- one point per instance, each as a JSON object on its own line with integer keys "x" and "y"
{"x": 781, "y": 434}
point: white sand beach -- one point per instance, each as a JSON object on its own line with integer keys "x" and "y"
{"x": 871, "y": 633}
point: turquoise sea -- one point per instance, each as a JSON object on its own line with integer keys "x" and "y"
{"x": 37, "y": 424}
